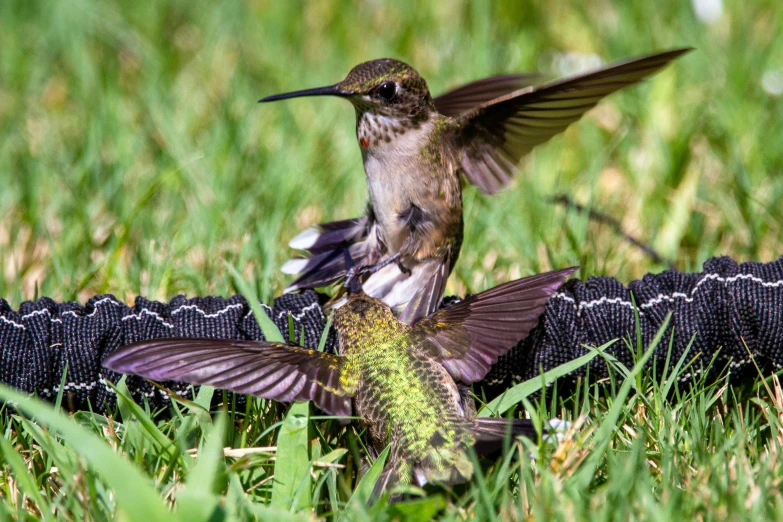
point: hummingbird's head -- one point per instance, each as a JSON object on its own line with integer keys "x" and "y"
{"x": 389, "y": 96}
{"x": 387, "y": 87}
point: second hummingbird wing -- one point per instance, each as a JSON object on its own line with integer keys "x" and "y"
{"x": 468, "y": 337}
{"x": 270, "y": 370}
{"x": 496, "y": 135}
{"x": 473, "y": 94}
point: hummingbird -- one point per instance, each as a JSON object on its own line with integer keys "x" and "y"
{"x": 414, "y": 149}
{"x": 405, "y": 382}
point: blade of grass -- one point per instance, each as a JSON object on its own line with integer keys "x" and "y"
{"x": 58, "y": 401}
{"x": 604, "y": 432}
{"x": 484, "y": 496}
{"x": 56, "y": 454}
{"x": 204, "y": 396}
{"x": 198, "y": 501}
{"x": 292, "y": 465}
{"x": 200, "y": 412}
{"x": 325, "y": 333}
{"x": 133, "y": 492}
{"x": 268, "y": 327}
{"x": 420, "y": 510}
{"x": 137, "y": 413}
{"x": 514, "y": 395}
{"x": 361, "y": 495}
{"x": 291, "y": 485}
{"x": 24, "y": 481}
{"x": 671, "y": 378}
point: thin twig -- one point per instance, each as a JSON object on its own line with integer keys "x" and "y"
{"x": 239, "y": 452}
{"x": 600, "y": 217}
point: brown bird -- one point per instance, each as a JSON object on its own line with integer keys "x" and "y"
{"x": 415, "y": 147}
{"x": 406, "y": 382}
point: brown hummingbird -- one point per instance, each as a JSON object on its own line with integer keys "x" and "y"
{"x": 405, "y": 382}
{"x": 415, "y": 147}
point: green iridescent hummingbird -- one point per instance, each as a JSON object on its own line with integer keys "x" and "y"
{"x": 401, "y": 380}
{"x": 415, "y": 147}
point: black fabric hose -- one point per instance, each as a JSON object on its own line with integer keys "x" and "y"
{"x": 728, "y": 310}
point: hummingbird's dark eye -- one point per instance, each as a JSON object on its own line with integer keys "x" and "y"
{"x": 387, "y": 90}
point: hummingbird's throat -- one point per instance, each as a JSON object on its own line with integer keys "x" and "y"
{"x": 375, "y": 130}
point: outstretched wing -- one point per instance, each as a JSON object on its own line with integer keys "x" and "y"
{"x": 495, "y": 135}
{"x": 468, "y": 337}
{"x": 481, "y": 91}
{"x": 269, "y": 370}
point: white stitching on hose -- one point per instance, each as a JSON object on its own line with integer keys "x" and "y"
{"x": 664, "y": 297}
{"x": 297, "y": 317}
{"x": 151, "y": 314}
{"x": 216, "y": 314}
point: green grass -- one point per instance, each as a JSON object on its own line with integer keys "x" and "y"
{"x": 135, "y": 160}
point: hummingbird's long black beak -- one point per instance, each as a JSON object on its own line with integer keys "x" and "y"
{"x": 331, "y": 90}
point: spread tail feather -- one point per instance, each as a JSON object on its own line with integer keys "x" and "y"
{"x": 427, "y": 298}
{"x": 489, "y": 433}
{"x": 326, "y": 244}
{"x": 412, "y": 295}
{"x": 451, "y": 464}
{"x": 320, "y": 270}
{"x": 328, "y": 236}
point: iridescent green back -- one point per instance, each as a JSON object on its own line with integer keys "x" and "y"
{"x": 406, "y": 398}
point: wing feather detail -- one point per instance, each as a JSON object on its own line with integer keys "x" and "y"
{"x": 481, "y": 91}
{"x": 495, "y": 135}
{"x": 468, "y": 337}
{"x": 270, "y": 370}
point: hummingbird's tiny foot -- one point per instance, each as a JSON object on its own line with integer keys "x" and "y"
{"x": 350, "y": 275}
{"x": 355, "y": 272}
{"x": 371, "y": 269}
{"x": 364, "y": 269}
{"x": 404, "y": 269}
{"x": 389, "y": 260}
{"x": 353, "y": 280}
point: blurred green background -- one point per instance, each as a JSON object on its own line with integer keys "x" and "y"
{"x": 134, "y": 157}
